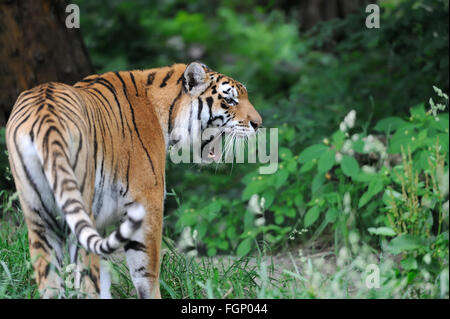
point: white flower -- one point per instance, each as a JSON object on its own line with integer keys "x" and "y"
{"x": 443, "y": 182}
{"x": 70, "y": 268}
{"x": 260, "y": 221}
{"x": 445, "y": 208}
{"x": 343, "y": 127}
{"x": 194, "y": 234}
{"x": 342, "y": 257}
{"x": 427, "y": 259}
{"x": 349, "y": 120}
{"x": 255, "y": 205}
{"x": 338, "y": 157}
{"x": 262, "y": 203}
{"x": 374, "y": 145}
{"x": 186, "y": 239}
{"x": 69, "y": 282}
{"x": 353, "y": 238}
{"x": 347, "y": 148}
{"x": 368, "y": 169}
{"x": 347, "y": 201}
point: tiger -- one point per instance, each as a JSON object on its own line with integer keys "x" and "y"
{"x": 88, "y": 161}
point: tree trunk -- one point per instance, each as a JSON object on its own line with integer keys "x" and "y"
{"x": 37, "y": 47}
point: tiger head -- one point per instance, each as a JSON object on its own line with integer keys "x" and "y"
{"x": 218, "y": 101}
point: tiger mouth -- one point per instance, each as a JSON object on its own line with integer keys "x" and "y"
{"x": 215, "y": 144}
{"x": 214, "y": 150}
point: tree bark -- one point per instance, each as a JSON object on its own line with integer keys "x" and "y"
{"x": 37, "y": 47}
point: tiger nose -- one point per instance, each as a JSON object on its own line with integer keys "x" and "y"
{"x": 255, "y": 124}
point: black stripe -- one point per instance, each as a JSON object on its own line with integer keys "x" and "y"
{"x": 111, "y": 88}
{"x": 39, "y": 245}
{"x": 103, "y": 249}
{"x": 119, "y": 236}
{"x": 80, "y": 143}
{"x": 106, "y": 100}
{"x": 166, "y": 78}
{"x": 135, "y": 125}
{"x": 47, "y": 270}
{"x": 41, "y": 232}
{"x": 127, "y": 176}
{"x": 88, "y": 241}
{"x": 80, "y": 225}
{"x": 134, "y": 82}
{"x": 69, "y": 202}
{"x": 200, "y": 108}
{"x": 151, "y": 78}
{"x": 134, "y": 245}
{"x": 169, "y": 125}
{"x": 45, "y": 141}
{"x": 209, "y": 101}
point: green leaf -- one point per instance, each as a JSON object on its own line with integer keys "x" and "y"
{"x": 298, "y": 201}
{"x": 244, "y": 247}
{"x": 338, "y": 139}
{"x": 312, "y": 152}
{"x": 311, "y": 216}
{"x": 405, "y": 242}
{"x": 222, "y": 244}
{"x": 269, "y": 196}
{"x": 365, "y": 177}
{"x": 212, "y": 251}
{"x": 358, "y": 146}
{"x": 409, "y": 263}
{"x": 231, "y": 232}
{"x": 389, "y": 124}
{"x": 285, "y": 153}
{"x": 201, "y": 229}
{"x": 255, "y": 187}
{"x": 382, "y": 231}
{"x": 418, "y": 112}
{"x": 307, "y": 167}
{"x": 441, "y": 124}
{"x": 317, "y": 182}
{"x": 326, "y": 161}
{"x": 214, "y": 207}
{"x": 331, "y": 215}
{"x": 390, "y": 195}
{"x": 375, "y": 186}
{"x": 290, "y": 212}
{"x": 349, "y": 166}
{"x": 292, "y": 166}
{"x": 279, "y": 219}
{"x": 280, "y": 178}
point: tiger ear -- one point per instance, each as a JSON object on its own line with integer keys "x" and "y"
{"x": 195, "y": 79}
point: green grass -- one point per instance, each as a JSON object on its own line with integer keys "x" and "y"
{"x": 260, "y": 276}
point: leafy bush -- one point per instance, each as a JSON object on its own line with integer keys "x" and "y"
{"x": 389, "y": 185}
